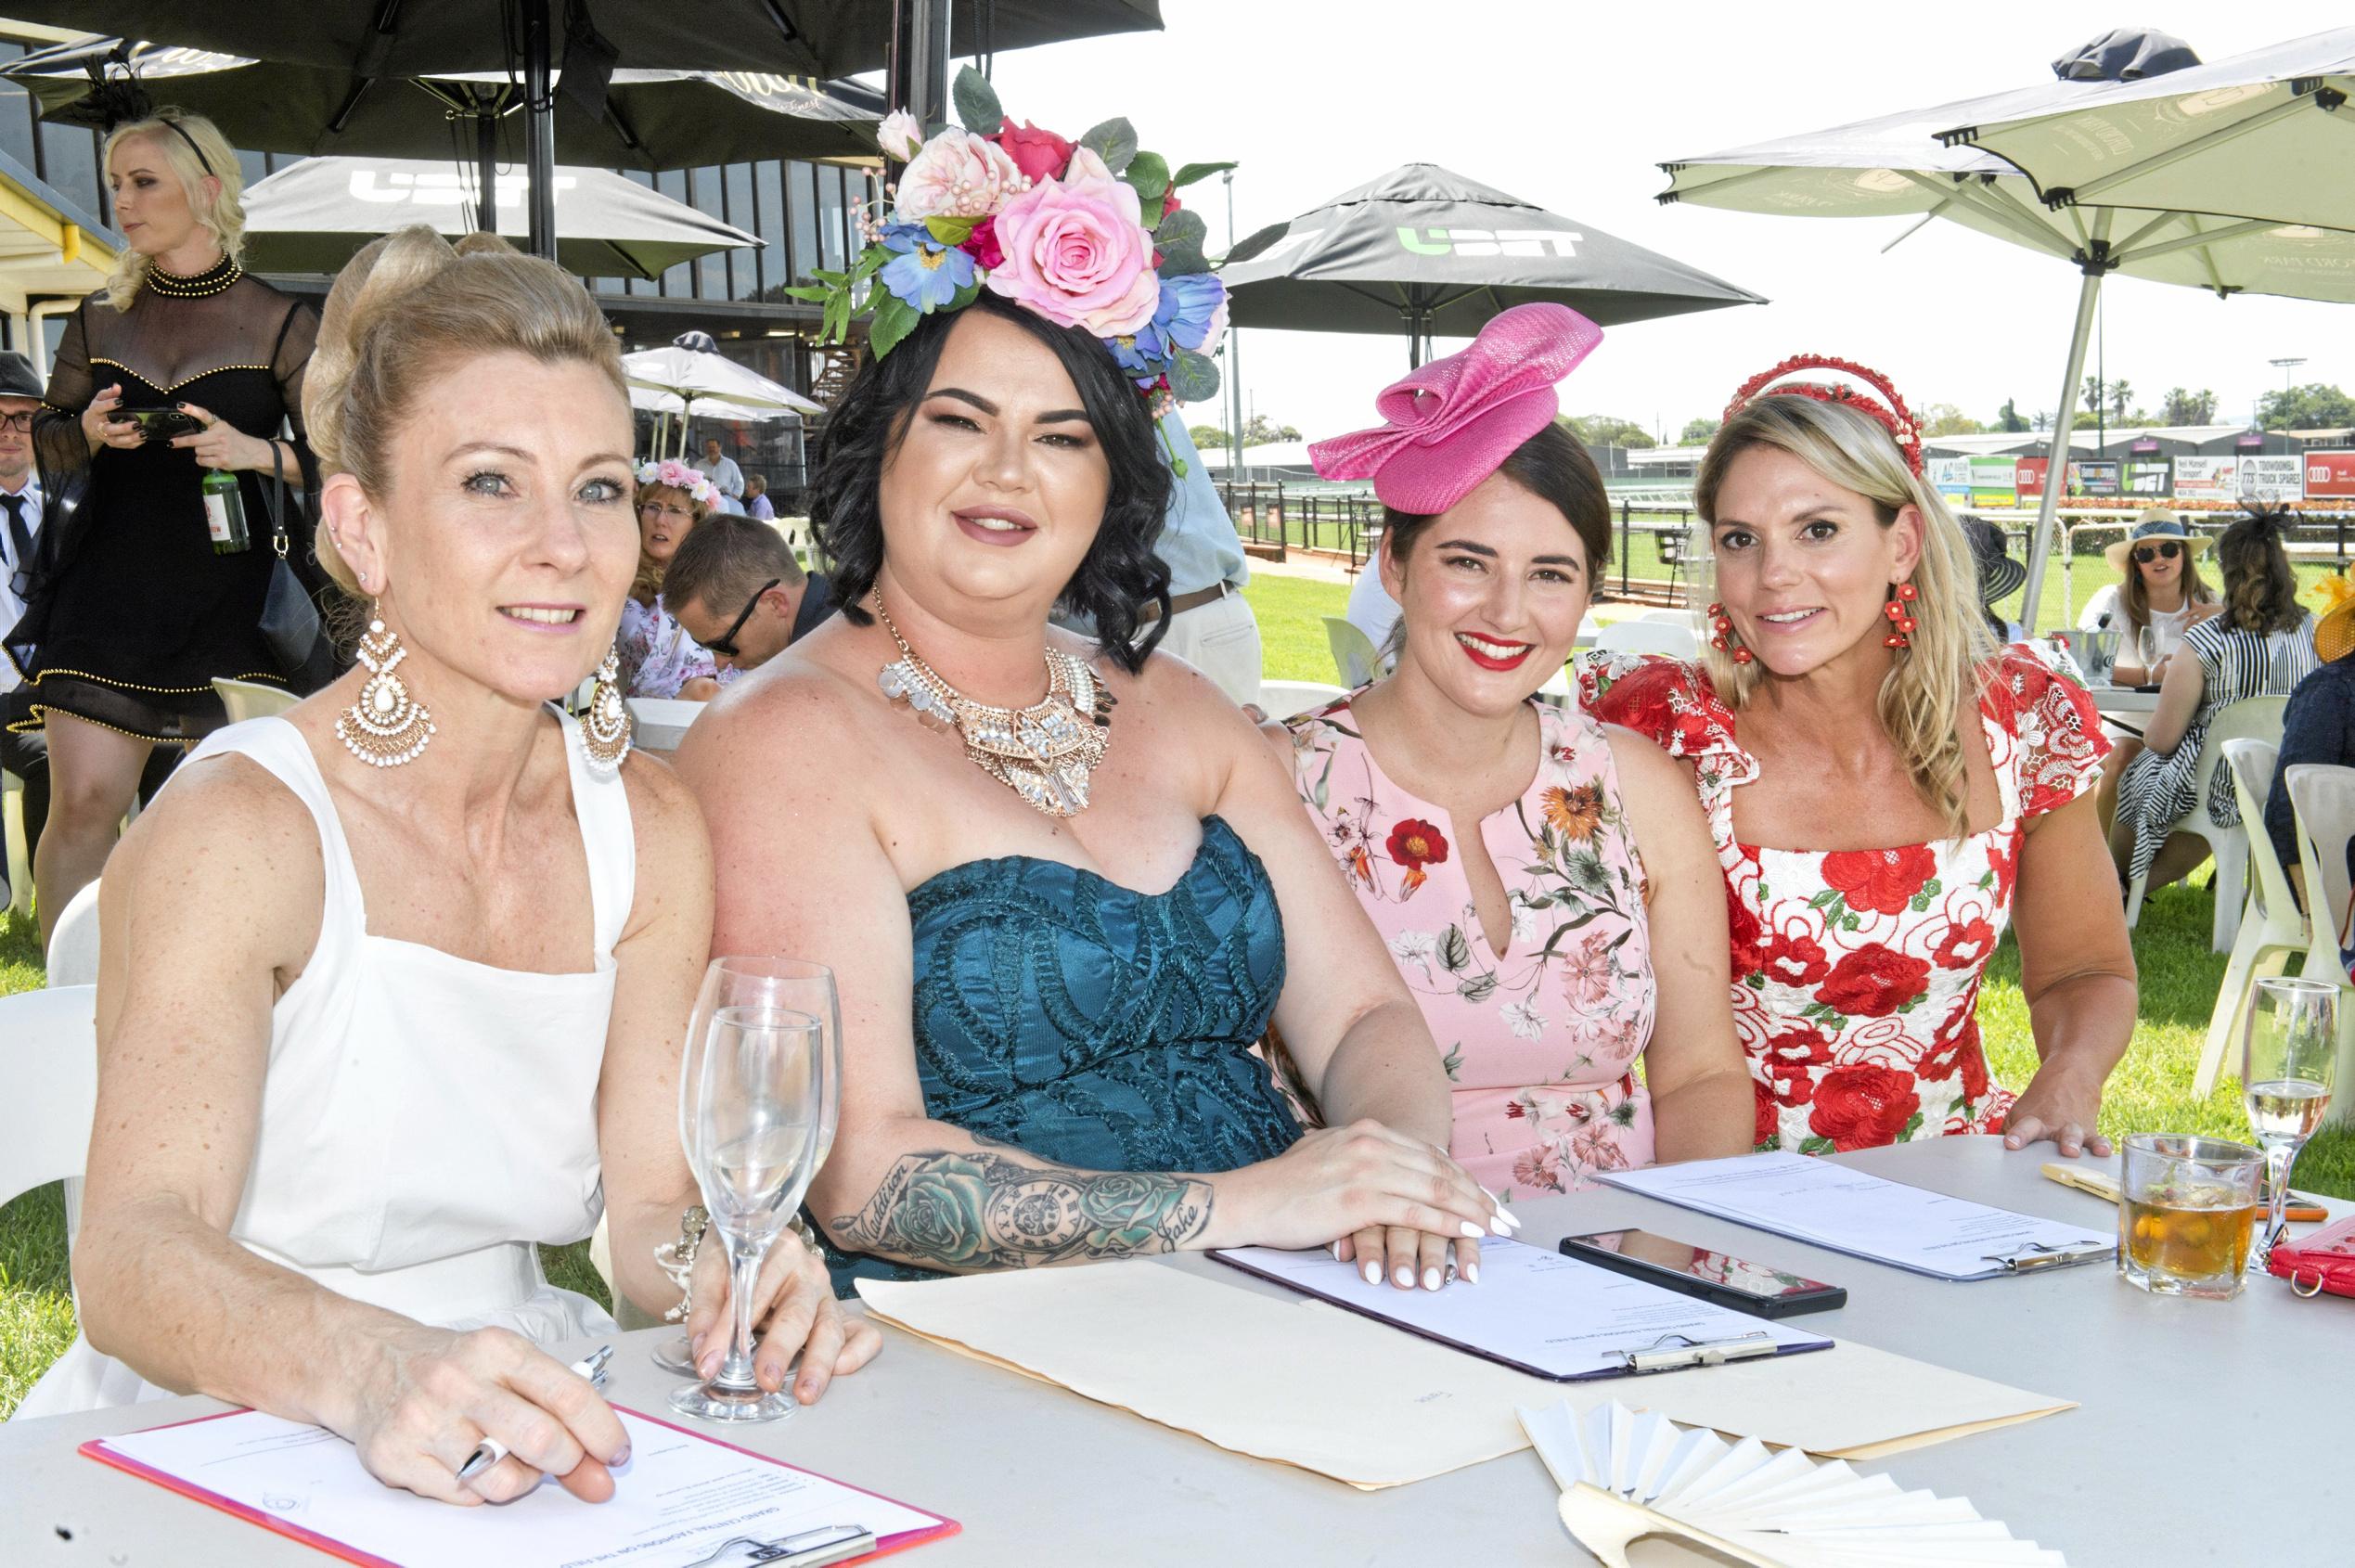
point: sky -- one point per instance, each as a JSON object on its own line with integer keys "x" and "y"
{"x": 1573, "y": 106}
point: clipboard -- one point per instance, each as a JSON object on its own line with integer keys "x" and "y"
{"x": 1668, "y": 1352}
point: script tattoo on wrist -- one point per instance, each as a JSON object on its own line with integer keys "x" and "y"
{"x": 979, "y": 1210}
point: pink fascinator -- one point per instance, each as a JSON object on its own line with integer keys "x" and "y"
{"x": 1450, "y": 424}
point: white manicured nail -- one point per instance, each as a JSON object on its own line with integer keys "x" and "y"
{"x": 1498, "y": 1223}
{"x": 1472, "y": 1273}
{"x": 1406, "y": 1276}
{"x": 1430, "y": 1278}
{"x": 1373, "y": 1272}
{"x": 1472, "y": 1231}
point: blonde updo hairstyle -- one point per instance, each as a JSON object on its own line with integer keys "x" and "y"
{"x": 403, "y": 311}
{"x": 221, "y": 213}
{"x": 1935, "y": 681}
{"x": 648, "y": 581}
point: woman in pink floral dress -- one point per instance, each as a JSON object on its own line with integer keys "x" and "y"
{"x": 1924, "y": 790}
{"x": 1545, "y": 889}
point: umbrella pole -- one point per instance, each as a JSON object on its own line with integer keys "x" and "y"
{"x": 539, "y": 134}
{"x": 2056, "y": 464}
{"x": 486, "y": 172}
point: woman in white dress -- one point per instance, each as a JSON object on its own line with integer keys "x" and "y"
{"x": 392, "y": 987}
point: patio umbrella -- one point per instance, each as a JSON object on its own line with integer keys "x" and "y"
{"x": 2267, "y": 136}
{"x": 378, "y": 42}
{"x": 691, "y": 369}
{"x": 312, "y": 216}
{"x": 1430, "y": 251}
{"x": 670, "y": 410}
{"x": 1897, "y": 165}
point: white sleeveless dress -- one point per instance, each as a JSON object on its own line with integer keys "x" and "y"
{"x": 425, "y": 1119}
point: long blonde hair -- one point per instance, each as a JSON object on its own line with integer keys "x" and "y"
{"x": 406, "y": 306}
{"x": 1932, "y": 684}
{"x": 172, "y": 130}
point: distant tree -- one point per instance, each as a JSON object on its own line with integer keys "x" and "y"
{"x": 2188, "y": 408}
{"x": 1944, "y": 418}
{"x": 2315, "y": 406}
{"x": 2041, "y": 419}
{"x": 1697, "y": 432}
{"x": 1208, "y": 438}
{"x": 1609, "y": 430}
{"x": 1260, "y": 431}
{"x": 2007, "y": 418}
{"x": 2116, "y": 399}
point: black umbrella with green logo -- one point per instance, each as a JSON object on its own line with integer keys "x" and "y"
{"x": 1428, "y": 252}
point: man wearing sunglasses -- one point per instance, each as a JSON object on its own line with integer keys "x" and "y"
{"x": 736, "y": 587}
{"x": 27, "y": 756}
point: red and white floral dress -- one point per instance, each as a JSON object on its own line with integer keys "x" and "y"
{"x": 1855, "y": 972}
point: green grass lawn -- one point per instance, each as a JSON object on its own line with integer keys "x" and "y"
{"x": 2151, "y": 1090}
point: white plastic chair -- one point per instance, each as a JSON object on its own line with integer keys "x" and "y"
{"x": 20, "y": 862}
{"x": 1281, "y": 699}
{"x": 74, "y": 943}
{"x": 252, "y": 699}
{"x": 49, "y": 1060}
{"x": 658, "y": 724}
{"x": 2276, "y": 930}
{"x": 1354, "y": 657}
{"x": 2322, "y": 797}
{"x": 1650, "y": 636}
{"x": 1674, "y": 615}
{"x": 2251, "y": 718}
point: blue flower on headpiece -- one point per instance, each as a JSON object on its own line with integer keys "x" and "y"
{"x": 924, "y": 274}
{"x": 1189, "y": 308}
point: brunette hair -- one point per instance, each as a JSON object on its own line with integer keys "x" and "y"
{"x": 407, "y": 307}
{"x": 1934, "y": 685}
{"x": 2134, "y": 595}
{"x": 186, "y": 144}
{"x": 2260, "y": 590}
{"x": 725, "y": 559}
{"x": 1120, "y": 574}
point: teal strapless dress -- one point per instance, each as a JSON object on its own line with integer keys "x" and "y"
{"x": 1095, "y": 1026}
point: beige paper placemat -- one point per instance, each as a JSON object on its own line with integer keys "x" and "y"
{"x": 1301, "y": 1383}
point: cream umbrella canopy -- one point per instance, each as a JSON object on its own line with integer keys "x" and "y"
{"x": 1898, "y": 165}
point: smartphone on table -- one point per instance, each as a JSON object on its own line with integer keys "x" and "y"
{"x": 1713, "y": 1276}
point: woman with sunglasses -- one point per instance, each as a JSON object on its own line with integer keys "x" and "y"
{"x": 657, "y": 656}
{"x": 2159, "y": 592}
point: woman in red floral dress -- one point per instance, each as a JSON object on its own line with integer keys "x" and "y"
{"x": 1886, "y": 792}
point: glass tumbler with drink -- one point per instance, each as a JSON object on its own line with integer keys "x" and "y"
{"x": 2289, "y": 1058}
{"x": 2187, "y": 1207}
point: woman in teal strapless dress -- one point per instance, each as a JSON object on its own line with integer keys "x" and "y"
{"x": 1059, "y": 928}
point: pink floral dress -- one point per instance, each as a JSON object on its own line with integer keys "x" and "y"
{"x": 1539, "y": 1041}
{"x": 1855, "y": 972}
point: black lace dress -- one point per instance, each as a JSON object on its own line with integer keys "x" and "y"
{"x": 135, "y": 615}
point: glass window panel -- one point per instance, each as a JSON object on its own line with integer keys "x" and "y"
{"x": 744, "y": 273}
{"x": 800, "y": 193}
{"x": 775, "y": 266}
{"x": 829, "y": 216}
{"x": 70, "y": 162}
{"x": 712, "y": 281}
{"x": 16, "y": 112}
{"x": 673, "y": 184}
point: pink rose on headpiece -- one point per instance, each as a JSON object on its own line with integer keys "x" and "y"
{"x": 957, "y": 175}
{"x": 1077, "y": 253}
{"x": 899, "y": 135}
{"x": 1450, "y": 423}
{"x": 1039, "y": 154}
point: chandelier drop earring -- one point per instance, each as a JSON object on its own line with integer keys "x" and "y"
{"x": 1721, "y": 635}
{"x": 387, "y": 727}
{"x": 605, "y": 728}
{"x": 1900, "y": 609}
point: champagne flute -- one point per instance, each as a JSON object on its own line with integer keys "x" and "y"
{"x": 2151, "y": 643}
{"x": 731, "y": 981}
{"x": 2288, "y": 1059}
{"x": 756, "y": 1079}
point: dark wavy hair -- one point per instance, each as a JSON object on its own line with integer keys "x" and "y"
{"x": 1120, "y": 574}
{"x": 2260, "y": 590}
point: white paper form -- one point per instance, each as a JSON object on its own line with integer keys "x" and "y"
{"x": 1541, "y": 1312}
{"x": 1866, "y": 1217}
{"x": 679, "y": 1498}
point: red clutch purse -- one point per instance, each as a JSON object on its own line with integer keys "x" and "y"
{"x": 2325, "y": 1261}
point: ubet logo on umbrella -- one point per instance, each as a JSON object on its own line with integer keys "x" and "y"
{"x": 1490, "y": 242}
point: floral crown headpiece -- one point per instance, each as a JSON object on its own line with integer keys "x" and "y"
{"x": 1087, "y": 234}
{"x": 1889, "y": 410}
{"x": 697, "y": 485}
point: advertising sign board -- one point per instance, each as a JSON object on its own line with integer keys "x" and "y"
{"x": 2272, "y": 478}
{"x": 2206, "y": 479}
{"x": 2329, "y": 474}
{"x": 2146, "y": 479}
{"x": 1993, "y": 481}
{"x": 2027, "y": 477}
{"x": 2092, "y": 479}
{"x": 1950, "y": 477}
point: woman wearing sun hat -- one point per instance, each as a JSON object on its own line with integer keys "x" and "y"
{"x": 2159, "y": 586}
{"x": 2319, "y": 724}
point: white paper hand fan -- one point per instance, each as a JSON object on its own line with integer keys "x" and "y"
{"x": 1625, "y": 1474}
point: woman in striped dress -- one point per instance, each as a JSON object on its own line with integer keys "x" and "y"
{"x": 2261, "y": 645}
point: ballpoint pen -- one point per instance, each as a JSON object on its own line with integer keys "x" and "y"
{"x": 490, "y": 1451}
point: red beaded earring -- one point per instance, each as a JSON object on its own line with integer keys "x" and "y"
{"x": 1900, "y": 612}
{"x": 1721, "y": 626}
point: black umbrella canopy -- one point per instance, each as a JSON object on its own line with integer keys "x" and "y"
{"x": 393, "y": 38}
{"x": 652, "y": 118}
{"x": 1429, "y": 253}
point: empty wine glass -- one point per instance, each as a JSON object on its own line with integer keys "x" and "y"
{"x": 736, "y": 981}
{"x": 2288, "y": 1059}
{"x": 755, "y": 1081}
{"x": 2151, "y": 642}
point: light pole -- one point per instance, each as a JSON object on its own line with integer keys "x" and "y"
{"x": 1234, "y": 354}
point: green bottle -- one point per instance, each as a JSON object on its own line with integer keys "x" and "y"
{"x": 225, "y": 513}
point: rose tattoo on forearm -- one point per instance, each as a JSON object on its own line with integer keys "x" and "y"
{"x": 973, "y": 1211}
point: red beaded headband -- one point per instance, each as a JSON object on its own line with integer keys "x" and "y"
{"x": 1893, "y": 414}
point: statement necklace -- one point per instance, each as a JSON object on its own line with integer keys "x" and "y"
{"x": 1044, "y": 752}
{"x": 193, "y": 286}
